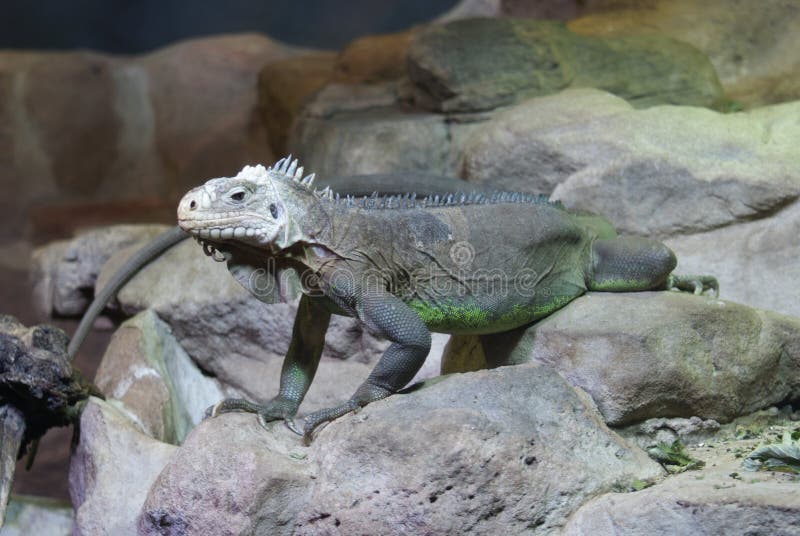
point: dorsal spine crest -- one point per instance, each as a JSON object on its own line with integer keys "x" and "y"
{"x": 290, "y": 169}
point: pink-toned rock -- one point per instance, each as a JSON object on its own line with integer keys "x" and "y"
{"x": 111, "y": 470}
{"x": 81, "y": 125}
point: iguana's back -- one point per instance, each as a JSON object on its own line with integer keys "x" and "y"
{"x": 466, "y": 267}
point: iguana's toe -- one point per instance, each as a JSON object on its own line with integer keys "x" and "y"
{"x": 276, "y": 409}
{"x": 696, "y": 284}
{"x": 228, "y": 405}
{"x": 313, "y": 421}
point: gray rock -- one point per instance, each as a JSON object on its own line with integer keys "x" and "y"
{"x": 352, "y": 130}
{"x": 686, "y": 504}
{"x": 65, "y": 272}
{"x": 154, "y": 381}
{"x": 756, "y": 262}
{"x": 12, "y": 431}
{"x": 683, "y": 356}
{"x": 654, "y": 431}
{"x": 230, "y": 477}
{"x": 505, "y": 450}
{"x": 111, "y": 471}
{"x": 468, "y": 453}
{"x": 662, "y": 171}
{"x": 480, "y": 64}
{"x": 28, "y": 516}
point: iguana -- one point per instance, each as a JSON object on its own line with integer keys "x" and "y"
{"x": 466, "y": 263}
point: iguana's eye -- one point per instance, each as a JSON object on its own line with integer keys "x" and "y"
{"x": 237, "y": 196}
{"x": 273, "y": 209}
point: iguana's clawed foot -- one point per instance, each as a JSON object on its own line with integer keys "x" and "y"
{"x": 276, "y": 409}
{"x": 322, "y": 416}
{"x": 696, "y": 284}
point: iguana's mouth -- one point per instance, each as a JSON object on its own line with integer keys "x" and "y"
{"x": 212, "y": 250}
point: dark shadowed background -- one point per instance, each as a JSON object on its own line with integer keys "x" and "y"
{"x": 132, "y": 26}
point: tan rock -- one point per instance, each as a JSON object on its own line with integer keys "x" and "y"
{"x": 753, "y": 45}
{"x": 284, "y": 87}
{"x": 374, "y": 58}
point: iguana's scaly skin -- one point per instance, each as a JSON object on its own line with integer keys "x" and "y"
{"x": 463, "y": 263}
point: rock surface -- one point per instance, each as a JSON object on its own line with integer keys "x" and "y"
{"x": 230, "y": 477}
{"x": 373, "y": 59}
{"x": 656, "y": 172}
{"x": 684, "y": 356}
{"x": 756, "y": 262}
{"x": 64, "y": 273}
{"x": 687, "y": 504}
{"x": 354, "y": 130}
{"x": 509, "y": 449}
{"x": 480, "y": 64}
{"x": 284, "y": 87}
{"x": 154, "y": 381}
{"x": 111, "y": 470}
{"x": 29, "y": 516}
{"x": 751, "y": 44}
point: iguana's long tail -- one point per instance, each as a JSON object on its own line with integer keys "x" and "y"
{"x": 140, "y": 259}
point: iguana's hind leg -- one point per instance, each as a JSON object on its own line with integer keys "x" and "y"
{"x": 299, "y": 368}
{"x": 411, "y": 341}
{"x": 628, "y": 263}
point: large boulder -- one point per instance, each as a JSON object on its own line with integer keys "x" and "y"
{"x": 656, "y": 172}
{"x": 683, "y": 355}
{"x": 480, "y": 64}
{"x": 408, "y": 102}
{"x": 512, "y": 449}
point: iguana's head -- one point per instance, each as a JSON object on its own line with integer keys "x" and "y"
{"x": 259, "y": 206}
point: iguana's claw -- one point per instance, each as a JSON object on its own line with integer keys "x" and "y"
{"x": 322, "y": 416}
{"x": 291, "y": 425}
{"x": 697, "y": 284}
{"x": 275, "y": 409}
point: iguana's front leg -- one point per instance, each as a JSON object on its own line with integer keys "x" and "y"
{"x": 389, "y": 317}
{"x": 299, "y": 367}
